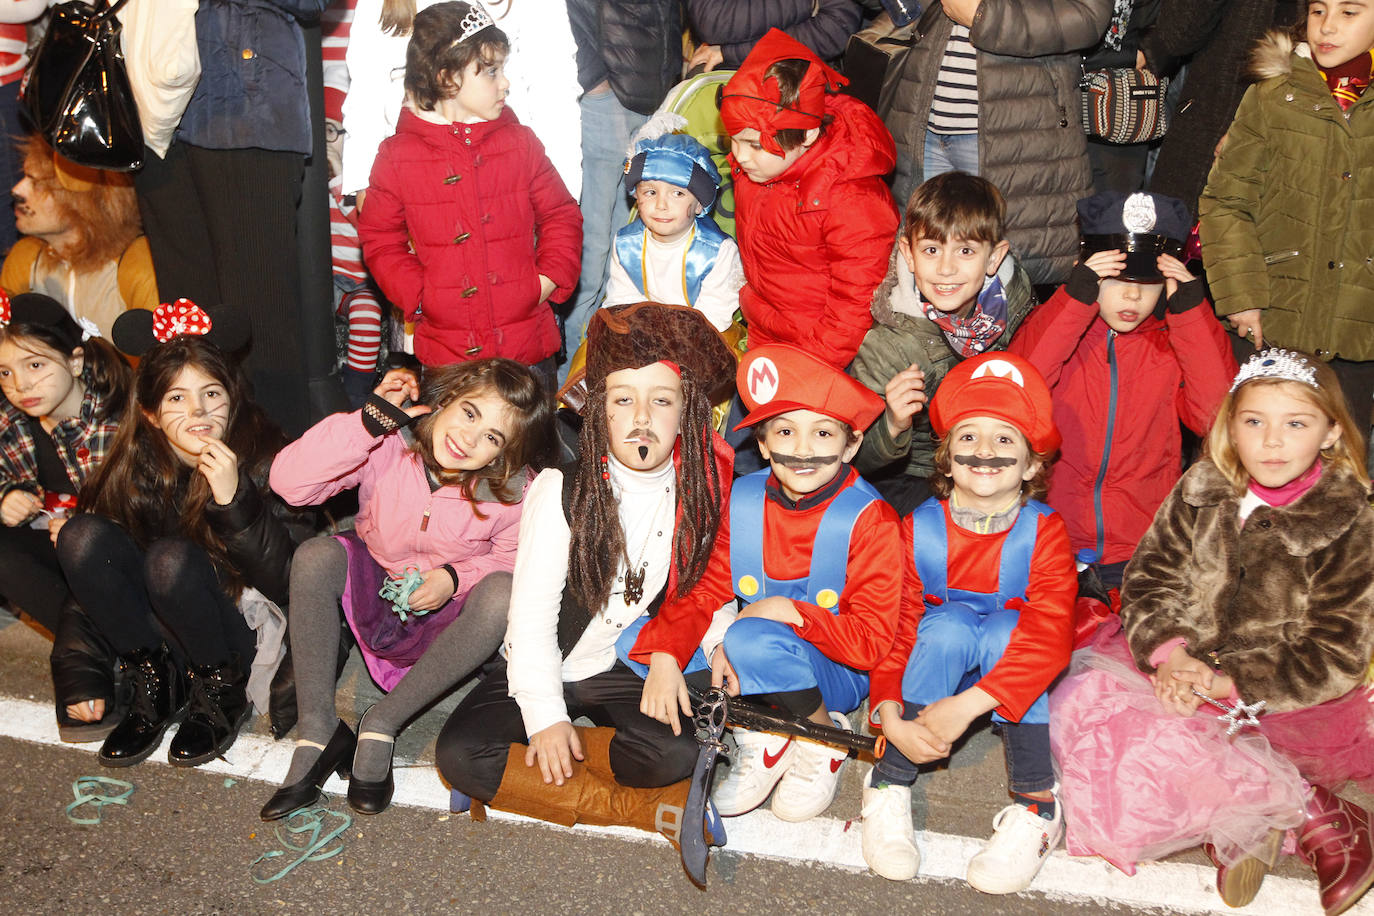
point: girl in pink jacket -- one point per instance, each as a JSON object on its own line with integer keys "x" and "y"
{"x": 423, "y": 579}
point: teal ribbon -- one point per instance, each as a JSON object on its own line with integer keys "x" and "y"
{"x": 87, "y": 792}
{"x": 303, "y": 832}
{"x": 398, "y": 589}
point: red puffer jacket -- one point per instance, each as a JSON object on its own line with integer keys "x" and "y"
{"x": 485, "y": 214}
{"x": 1118, "y": 400}
{"x": 815, "y": 241}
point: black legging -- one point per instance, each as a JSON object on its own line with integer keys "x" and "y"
{"x": 30, "y": 578}
{"x": 134, "y": 595}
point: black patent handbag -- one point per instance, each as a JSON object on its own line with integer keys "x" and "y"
{"x": 76, "y": 90}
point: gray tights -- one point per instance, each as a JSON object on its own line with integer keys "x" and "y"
{"x": 319, "y": 572}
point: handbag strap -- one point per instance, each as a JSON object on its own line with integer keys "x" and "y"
{"x": 109, "y": 10}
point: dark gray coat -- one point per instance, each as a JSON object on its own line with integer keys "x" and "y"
{"x": 1030, "y": 139}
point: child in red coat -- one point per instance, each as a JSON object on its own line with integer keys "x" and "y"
{"x": 466, "y": 225}
{"x": 1125, "y": 367}
{"x": 815, "y": 220}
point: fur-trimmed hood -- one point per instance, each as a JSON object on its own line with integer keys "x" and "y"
{"x": 1273, "y": 54}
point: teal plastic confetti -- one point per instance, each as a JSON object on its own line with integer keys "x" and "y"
{"x": 90, "y": 790}
{"x": 230, "y": 783}
{"x": 398, "y": 589}
{"x": 303, "y": 832}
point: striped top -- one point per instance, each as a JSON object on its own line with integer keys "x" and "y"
{"x": 335, "y": 24}
{"x": 955, "y": 107}
{"x": 13, "y": 51}
{"x": 346, "y": 251}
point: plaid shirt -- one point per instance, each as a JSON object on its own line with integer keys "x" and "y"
{"x": 82, "y": 443}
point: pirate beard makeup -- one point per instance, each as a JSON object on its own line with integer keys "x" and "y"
{"x": 643, "y": 415}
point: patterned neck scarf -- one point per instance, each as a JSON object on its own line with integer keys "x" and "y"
{"x": 978, "y": 330}
{"x": 1348, "y": 81}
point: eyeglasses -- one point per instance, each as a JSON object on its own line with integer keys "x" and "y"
{"x": 332, "y": 132}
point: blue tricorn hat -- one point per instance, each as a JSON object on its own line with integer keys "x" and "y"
{"x": 1142, "y": 224}
{"x": 677, "y": 159}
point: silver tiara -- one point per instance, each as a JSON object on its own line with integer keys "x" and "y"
{"x": 1286, "y": 365}
{"x": 475, "y": 21}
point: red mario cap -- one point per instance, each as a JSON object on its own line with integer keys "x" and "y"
{"x": 776, "y": 378}
{"x": 999, "y": 385}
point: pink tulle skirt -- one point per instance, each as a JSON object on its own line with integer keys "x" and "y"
{"x": 1138, "y": 782}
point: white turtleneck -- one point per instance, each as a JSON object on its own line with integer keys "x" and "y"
{"x": 647, "y": 501}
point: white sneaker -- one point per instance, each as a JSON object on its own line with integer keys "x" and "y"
{"x": 809, "y": 785}
{"x": 889, "y": 839}
{"x": 759, "y": 761}
{"x": 1021, "y": 843}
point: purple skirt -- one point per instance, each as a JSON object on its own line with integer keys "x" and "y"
{"x": 389, "y": 646}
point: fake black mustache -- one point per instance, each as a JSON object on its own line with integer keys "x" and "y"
{"x": 798, "y": 464}
{"x": 643, "y": 434}
{"x": 973, "y": 461}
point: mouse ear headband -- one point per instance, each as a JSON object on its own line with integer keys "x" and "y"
{"x": 45, "y": 311}
{"x": 138, "y": 330}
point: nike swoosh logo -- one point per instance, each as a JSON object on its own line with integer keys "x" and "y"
{"x": 771, "y": 760}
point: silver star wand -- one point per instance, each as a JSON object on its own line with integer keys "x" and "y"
{"x": 1240, "y": 715}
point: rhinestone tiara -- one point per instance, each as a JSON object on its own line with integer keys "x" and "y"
{"x": 1286, "y": 365}
{"x": 475, "y": 21}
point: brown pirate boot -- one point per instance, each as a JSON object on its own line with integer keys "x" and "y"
{"x": 591, "y": 796}
{"x": 1338, "y": 842}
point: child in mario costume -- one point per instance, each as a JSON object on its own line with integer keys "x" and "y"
{"x": 813, "y": 553}
{"x": 986, "y": 621}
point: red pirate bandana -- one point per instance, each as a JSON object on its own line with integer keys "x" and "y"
{"x": 751, "y": 101}
{"x": 179, "y": 318}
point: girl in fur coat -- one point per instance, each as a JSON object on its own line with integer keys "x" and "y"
{"x": 1251, "y": 595}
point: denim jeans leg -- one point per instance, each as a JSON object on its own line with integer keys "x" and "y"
{"x": 1030, "y": 767}
{"x": 606, "y": 129}
{"x": 949, "y": 152}
{"x": 894, "y": 767}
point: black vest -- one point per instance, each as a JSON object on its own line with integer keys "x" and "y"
{"x": 573, "y": 617}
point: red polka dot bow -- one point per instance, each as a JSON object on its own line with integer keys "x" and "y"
{"x": 179, "y": 318}
{"x": 5, "y": 316}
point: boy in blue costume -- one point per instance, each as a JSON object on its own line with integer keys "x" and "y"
{"x": 673, "y": 251}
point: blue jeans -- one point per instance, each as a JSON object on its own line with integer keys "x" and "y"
{"x": 1026, "y": 746}
{"x": 606, "y": 129}
{"x": 770, "y": 658}
{"x": 949, "y": 152}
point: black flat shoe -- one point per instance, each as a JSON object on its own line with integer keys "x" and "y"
{"x": 372, "y": 797}
{"x": 337, "y": 757}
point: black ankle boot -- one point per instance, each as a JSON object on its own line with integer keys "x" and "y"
{"x": 217, "y": 709}
{"x": 157, "y": 699}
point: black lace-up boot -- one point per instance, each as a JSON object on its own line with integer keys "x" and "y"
{"x": 157, "y": 699}
{"x": 217, "y": 710}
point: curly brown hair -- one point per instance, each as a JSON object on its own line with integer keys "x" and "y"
{"x": 105, "y": 217}
{"x": 436, "y": 60}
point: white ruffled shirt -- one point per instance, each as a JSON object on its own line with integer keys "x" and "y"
{"x": 535, "y": 669}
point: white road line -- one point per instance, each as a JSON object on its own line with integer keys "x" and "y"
{"x": 1177, "y": 888}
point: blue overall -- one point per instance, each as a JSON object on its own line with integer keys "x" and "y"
{"x": 768, "y": 656}
{"x": 964, "y": 635}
